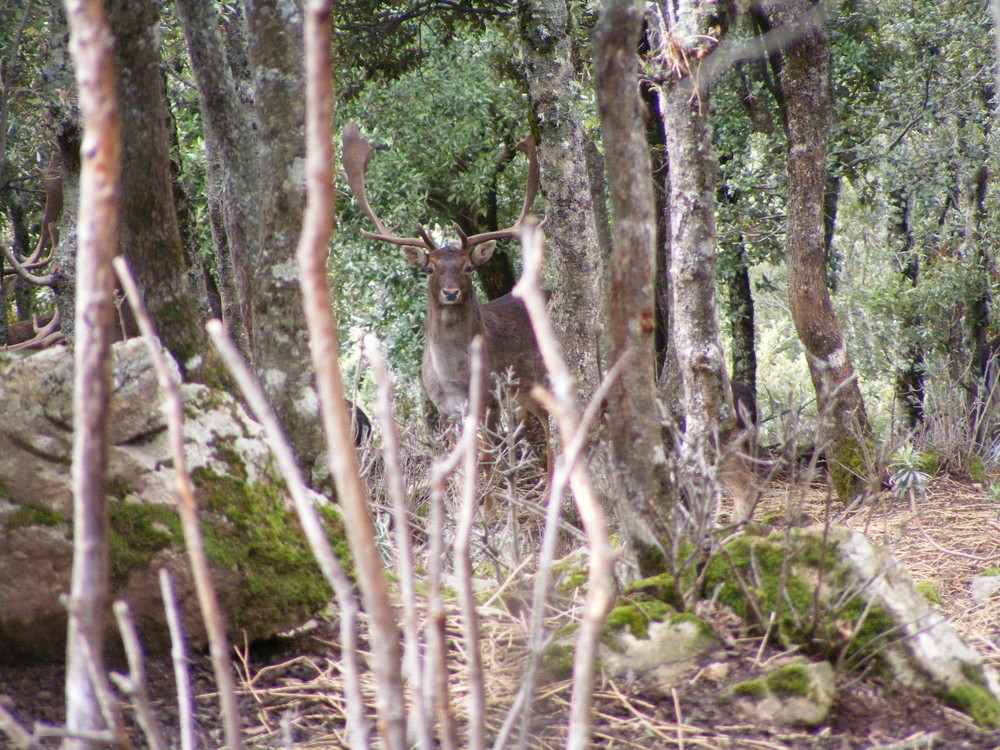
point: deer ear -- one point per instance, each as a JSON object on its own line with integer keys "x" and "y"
{"x": 416, "y": 255}
{"x": 482, "y": 253}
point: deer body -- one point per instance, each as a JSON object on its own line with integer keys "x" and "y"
{"x": 454, "y": 315}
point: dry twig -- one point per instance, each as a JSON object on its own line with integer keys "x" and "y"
{"x": 173, "y": 408}
{"x": 317, "y": 226}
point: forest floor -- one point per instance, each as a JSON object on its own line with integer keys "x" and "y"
{"x": 293, "y": 682}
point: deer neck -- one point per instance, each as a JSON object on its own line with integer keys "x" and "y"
{"x": 454, "y": 324}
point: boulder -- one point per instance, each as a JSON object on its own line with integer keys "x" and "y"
{"x": 264, "y": 573}
{"x": 795, "y": 693}
{"x": 833, "y": 590}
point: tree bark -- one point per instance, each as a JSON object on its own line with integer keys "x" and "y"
{"x": 231, "y": 164}
{"x": 150, "y": 236}
{"x": 280, "y": 340}
{"x": 805, "y": 86}
{"x": 571, "y": 232}
{"x": 646, "y": 495}
{"x": 910, "y": 373}
{"x": 742, "y": 324}
{"x": 708, "y": 411}
{"x": 92, "y": 48}
{"x": 576, "y": 307}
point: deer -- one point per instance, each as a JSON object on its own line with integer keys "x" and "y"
{"x": 455, "y": 316}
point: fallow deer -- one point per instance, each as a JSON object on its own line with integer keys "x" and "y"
{"x": 454, "y": 314}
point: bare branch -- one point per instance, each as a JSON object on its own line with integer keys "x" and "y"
{"x": 91, "y": 46}
{"x": 17, "y": 734}
{"x": 317, "y": 226}
{"x": 135, "y": 685}
{"x": 311, "y": 524}
{"x": 421, "y": 711}
{"x": 173, "y": 407}
{"x": 600, "y": 582}
{"x": 178, "y": 655}
{"x": 463, "y": 551}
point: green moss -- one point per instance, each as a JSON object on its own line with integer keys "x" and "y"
{"x": 557, "y": 663}
{"x": 249, "y": 531}
{"x": 634, "y": 615}
{"x": 753, "y": 689}
{"x": 702, "y": 626}
{"x": 977, "y": 702}
{"x": 137, "y": 534}
{"x": 848, "y": 467}
{"x": 28, "y": 514}
{"x": 759, "y": 563}
{"x": 926, "y": 588}
{"x": 990, "y": 572}
{"x": 930, "y": 463}
{"x": 651, "y": 558}
{"x": 790, "y": 681}
{"x": 663, "y": 587}
{"x": 977, "y": 469}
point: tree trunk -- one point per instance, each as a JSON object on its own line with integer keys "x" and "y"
{"x": 805, "y": 85}
{"x": 742, "y": 324}
{"x": 910, "y": 374}
{"x": 150, "y": 237}
{"x": 576, "y": 306}
{"x": 231, "y": 164}
{"x": 92, "y": 46}
{"x": 708, "y": 410}
{"x": 645, "y": 496}
{"x": 280, "y": 340}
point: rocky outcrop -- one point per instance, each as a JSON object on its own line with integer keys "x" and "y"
{"x": 265, "y": 575}
{"x": 832, "y": 590}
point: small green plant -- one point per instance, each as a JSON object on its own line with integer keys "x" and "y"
{"x": 907, "y": 475}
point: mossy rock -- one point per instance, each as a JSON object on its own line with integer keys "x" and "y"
{"x": 975, "y": 701}
{"x": 797, "y": 693}
{"x": 830, "y": 592}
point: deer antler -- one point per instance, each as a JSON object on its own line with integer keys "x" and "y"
{"x": 527, "y": 147}
{"x": 356, "y": 154}
{"x": 44, "y": 337}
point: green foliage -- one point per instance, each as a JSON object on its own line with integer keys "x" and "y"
{"x": 907, "y": 475}
{"x": 444, "y": 134}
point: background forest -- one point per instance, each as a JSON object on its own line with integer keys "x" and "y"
{"x": 792, "y": 199}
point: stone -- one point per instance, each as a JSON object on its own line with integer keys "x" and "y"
{"x": 668, "y": 647}
{"x": 833, "y": 586}
{"x": 795, "y": 693}
{"x": 262, "y": 567}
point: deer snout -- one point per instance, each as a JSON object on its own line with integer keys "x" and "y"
{"x": 451, "y": 296}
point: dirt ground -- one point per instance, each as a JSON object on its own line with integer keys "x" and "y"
{"x": 290, "y": 686}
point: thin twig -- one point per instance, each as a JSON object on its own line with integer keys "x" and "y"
{"x": 437, "y": 663}
{"x": 324, "y": 347}
{"x": 17, "y": 734}
{"x": 135, "y": 685}
{"x": 315, "y": 532}
{"x": 463, "y": 550}
{"x": 422, "y": 710}
{"x": 173, "y": 408}
{"x": 600, "y": 582}
{"x": 178, "y": 655}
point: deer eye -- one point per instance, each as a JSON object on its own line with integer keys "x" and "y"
{"x": 468, "y": 268}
